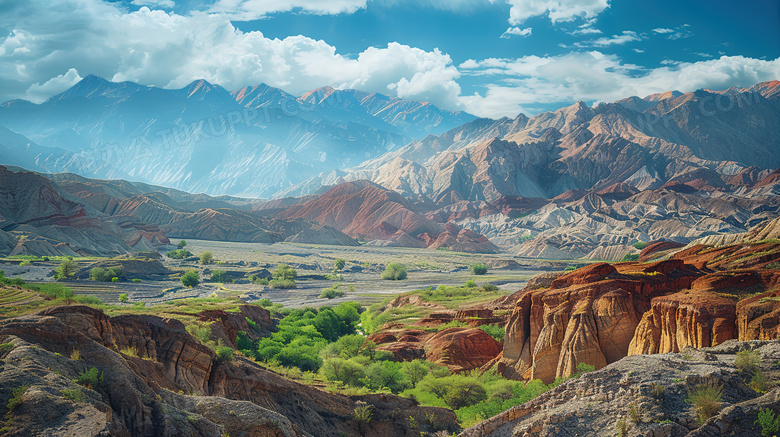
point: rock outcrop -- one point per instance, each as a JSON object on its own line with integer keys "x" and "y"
{"x": 461, "y": 349}
{"x": 159, "y": 380}
{"x": 646, "y": 395}
{"x": 587, "y": 316}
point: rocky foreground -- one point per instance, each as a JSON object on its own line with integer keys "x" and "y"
{"x": 647, "y": 395}
{"x": 153, "y": 378}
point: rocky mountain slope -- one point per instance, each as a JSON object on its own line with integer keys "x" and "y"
{"x": 648, "y": 395}
{"x": 201, "y": 138}
{"x": 673, "y": 166}
{"x": 36, "y": 218}
{"x": 66, "y": 214}
{"x": 366, "y": 211}
{"x": 170, "y": 384}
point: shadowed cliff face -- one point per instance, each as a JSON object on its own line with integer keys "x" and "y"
{"x": 602, "y": 313}
{"x": 173, "y": 385}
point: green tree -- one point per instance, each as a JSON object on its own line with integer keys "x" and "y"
{"x": 206, "y": 258}
{"x": 179, "y": 254}
{"x": 283, "y": 271}
{"x": 479, "y": 269}
{"x": 394, "y": 272}
{"x": 123, "y": 297}
{"x": 338, "y": 265}
{"x": 415, "y": 371}
{"x": 66, "y": 270}
{"x": 219, "y": 276}
{"x": 182, "y": 244}
{"x": 190, "y": 278}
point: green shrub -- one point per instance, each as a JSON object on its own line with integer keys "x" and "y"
{"x": 190, "y": 278}
{"x": 91, "y": 378}
{"x": 73, "y": 395}
{"x": 123, "y": 298}
{"x": 497, "y": 332}
{"x": 282, "y": 283}
{"x": 706, "y": 398}
{"x": 489, "y": 287}
{"x": 25, "y": 263}
{"x": 16, "y": 397}
{"x": 206, "y": 258}
{"x": 45, "y": 258}
{"x": 747, "y": 361}
{"x": 179, "y": 254}
{"x": 338, "y": 264}
{"x": 769, "y": 422}
{"x": 759, "y": 382}
{"x": 65, "y": 270}
{"x": 363, "y": 413}
{"x": 136, "y": 281}
{"x": 640, "y": 245}
{"x": 583, "y": 368}
{"x": 6, "y": 347}
{"x": 219, "y": 276}
{"x": 182, "y": 243}
{"x": 331, "y": 292}
{"x": 470, "y": 284}
{"x": 633, "y": 413}
{"x": 479, "y": 269}
{"x": 99, "y": 274}
{"x": 631, "y": 257}
{"x": 87, "y": 300}
{"x": 285, "y": 272}
{"x": 224, "y": 353}
{"x": 54, "y": 291}
{"x": 115, "y": 279}
{"x": 394, "y": 272}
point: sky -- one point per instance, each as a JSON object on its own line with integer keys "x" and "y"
{"x": 491, "y": 58}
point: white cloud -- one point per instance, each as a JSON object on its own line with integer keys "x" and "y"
{"x": 533, "y": 82}
{"x": 254, "y": 9}
{"x": 170, "y": 50}
{"x": 663, "y": 30}
{"x": 557, "y": 10}
{"x": 626, "y": 37}
{"x": 165, "y": 4}
{"x": 516, "y": 31}
{"x": 39, "y": 92}
{"x": 586, "y": 31}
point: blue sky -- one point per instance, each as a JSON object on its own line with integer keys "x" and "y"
{"x": 489, "y": 57}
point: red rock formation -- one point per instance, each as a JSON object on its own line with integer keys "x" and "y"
{"x": 653, "y": 249}
{"x": 689, "y": 318}
{"x": 461, "y": 349}
{"x": 758, "y": 317}
{"x": 587, "y": 316}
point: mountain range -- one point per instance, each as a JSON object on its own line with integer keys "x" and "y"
{"x": 251, "y": 142}
{"x": 347, "y": 166}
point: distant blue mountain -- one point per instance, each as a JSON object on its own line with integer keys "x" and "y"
{"x": 253, "y": 142}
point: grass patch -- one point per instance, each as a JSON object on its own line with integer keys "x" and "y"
{"x": 73, "y": 395}
{"x": 16, "y": 397}
{"x": 706, "y": 399}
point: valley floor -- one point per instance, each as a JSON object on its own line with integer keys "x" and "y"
{"x": 360, "y": 278}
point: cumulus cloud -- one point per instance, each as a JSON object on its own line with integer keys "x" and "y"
{"x": 55, "y": 85}
{"x": 153, "y": 47}
{"x": 516, "y": 31}
{"x": 663, "y": 30}
{"x": 557, "y": 10}
{"x": 531, "y": 83}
